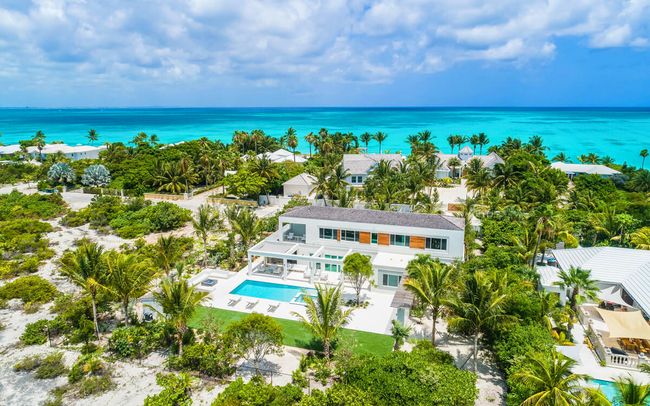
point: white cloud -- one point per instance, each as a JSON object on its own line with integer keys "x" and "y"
{"x": 274, "y": 42}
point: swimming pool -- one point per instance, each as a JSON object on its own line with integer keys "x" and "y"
{"x": 607, "y": 387}
{"x": 273, "y": 291}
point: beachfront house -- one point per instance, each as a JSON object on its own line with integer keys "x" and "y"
{"x": 616, "y": 322}
{"x": 300, "y": 185}
{"x": 72, "y": 152}
{"x": 573, "y": 170}
{"x": 281, "y": 155}
{"x": 464, "y": 156}
{"x": 360, "y": 165}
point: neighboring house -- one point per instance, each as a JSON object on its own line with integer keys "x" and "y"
{"x": 623, "y": 274}
{"x": 74, "y": 153}
{"x": 282, "y": 155}
{"x": 359, "y": 165}
{"x": 465, "y": 155}
{"x": 302, "y": 185}
{"x": 572, "y": 170}
{"x": 316, "y": 239}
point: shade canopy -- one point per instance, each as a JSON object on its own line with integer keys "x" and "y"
{"x": 625, "y": 324}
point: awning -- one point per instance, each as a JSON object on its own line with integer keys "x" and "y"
{"x": 612, "y": 294}
{"x": 626, "y": 324}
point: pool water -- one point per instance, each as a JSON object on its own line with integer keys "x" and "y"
{"x": 606, "y": 387}
{"x": 273, "y": 291}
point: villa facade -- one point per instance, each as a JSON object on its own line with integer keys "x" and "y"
{"x": 464, "y": 155}
{"x": 314, "y": 240}
{"x": 72, "y": 152}
{"x": 360, "y": 165}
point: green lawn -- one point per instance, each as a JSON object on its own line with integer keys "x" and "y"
{"x": 296, "y": 335}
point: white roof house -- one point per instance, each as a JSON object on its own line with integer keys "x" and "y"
{"x": 302, "y": 185}
{"x": 612, "y": 267}
{"x": 9, "y": 149}
{"x": 282, "y": 155}
{"x": 584, "y": 169}
{"x": 465, "y": 155}
{"x": 73, "y": 152}
{"x": 359, "y": 165}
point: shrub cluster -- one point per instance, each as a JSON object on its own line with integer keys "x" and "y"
{"x": 47, "y": 367}
{"x": 137, "y": 341}
{"x": 30, "y": 289}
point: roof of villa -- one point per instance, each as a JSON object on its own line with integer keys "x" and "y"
{"x": 489, "y": 160}
{"x": 625, "y": 266}
{"x": 584, "y": 168}
{"x": 345, "y": 215}
{"x": 53, "y": 148}
{"x": 303, "y": 179}
{"x": 363, "y": 163}
{"x": 466, "y": 150}
{"x": 282, "y": 155}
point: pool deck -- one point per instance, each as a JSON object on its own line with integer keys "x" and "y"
{"x": 375, "y": 318}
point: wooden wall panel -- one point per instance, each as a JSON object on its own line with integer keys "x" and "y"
{"x": 383, "y": 239}
{"x": 338, "y": 235}
{"x": 417, "y": 242}
{"x": 364, "y": 237}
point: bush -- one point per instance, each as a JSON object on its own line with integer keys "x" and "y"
{"x": 51, "y": 366}
{"x": 93, "y": 385}
{"x": 96, "y": 176}
{"x": 208, "y": 359}
{"x": 16, "y": 205}
{"x": 30, "y": 289}
{"x": 61, "y": 173}
{"x": 176, "y": 391}
{"x": 28, "y": 364}
{"x": 136, "y": 341}
{"x": 86, "y": 366}
{"x": 35, "y": 333}
{"x": 258, "y": 393}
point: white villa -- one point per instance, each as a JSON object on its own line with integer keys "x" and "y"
{"x": 74, "y": 153}
{"x": 572, "y": 170}
{"x": 465, "y": 155}
{"x": 282, "y": 155}
{"x": 359, "y": 165}
{"x": 300, "y": 185}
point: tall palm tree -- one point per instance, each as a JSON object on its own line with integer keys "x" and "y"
{"x": 311, "y": 139}
{"x": 265, "y": 168}
{"x": 544, "y": 227}
{"x": 380, "y": 137}
{"x": 550, "y": 376}
{"x": 644, "y": 155}
{"x": 244, "y": 223}
{"x": 479, "y": 306}
{"x": 561, "y": 157}
{"x": 207, "y": 220}
{"x": 187, "y": 172}
{"x": 292, "y": 141}
{"x": 581, "y": 285}
{"x": 365, "y": 138}
{"x": 505, "y": 176}
{"x": 483, "y": 140}
{"x": 170, "y": 177}
{"x": 425, "y": 136}
{"x": 536, "y": 145}
{"x": 39, "y": 143}
{"x": 453, "y": 163}
{"x": 474, "y": 141}
{"x": 325, "y": 315}
{"x": 92, "y": 135}
{"x": 257, "y": 136}
{"x": 86, "y": 268}
{"x": 129, "y": 277}
{"x": 337, "y": 178}
{"x": 631, "y": 392}
{"x": 322, "y": 184}
{"x": 641, "y": 238}
{"x": 179, "y": 302}
{"x": 167, "y": 252}
{"x": 451, "y": 140}
{"x": 431, "y": 282}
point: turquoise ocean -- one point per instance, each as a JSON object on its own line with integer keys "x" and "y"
{"x": 619, "y": 133}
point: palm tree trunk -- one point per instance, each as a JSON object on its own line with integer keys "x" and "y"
{"x": 125, "y": 308}
{"x": 476, "y": 352}
{"x": 539, "y": 241}
{"x": 92, "y": 299}
{"x": 180, "y": 344}
{"x": 326, "y": 349}
{"x": 205, "y": 253}
{"x": 434, "y": 318}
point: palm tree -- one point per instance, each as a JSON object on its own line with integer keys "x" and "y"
{"x": 544, "y": 227}
{"x": 640, "y": 181}
{"x": 480, "y": 306}
{"x": 187, "y": 172}
{"x": 244, "y": 223}
{"x": 399, "y": 332}
{"x": 453, "y": 163}
{"x": 550, "y": 376}
{"x": 265, "y": 168}
{"x": 206, "y": 221}
{"x": 337, "y": 178}
{"x": 483, "y": 140}
{"x": 179, "y": 301}
{"x": 452, "y": 140}
{"x": 431, "y": 282}
{"x": 311, "y": 139}
{"x": 380, "y": 137}
{"x": 257, "y": 136}
{"x": 536, "y": 145}
{"x": 325, "y": 315}
{"x": 474, "y": 141}
{"x": 631, "y": 392}
{"x": 86, "y": 268}
{"x": 92, "y": 135}
{"x": 322, "y": 184}
{"x": 644, "y": 155}
{"x": 561, "y": 157}
{"x": 167, "y": 252}
{"x": 129, "y": 277}
{"x": 292, "y": 141}
{"x": 170, "y": 178}
{"x": 641, "y": 238}
{"x": 39, "y": 143}
{"x": 365, "y": 138}
{"x": 581, "y": 285}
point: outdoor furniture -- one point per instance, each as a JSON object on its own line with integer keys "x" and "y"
{"x": 273, "y": 307}
{"x": 234, "y": 301}
{"x": 251, "y": 305}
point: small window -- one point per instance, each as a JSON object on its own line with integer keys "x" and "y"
{"x": 391, "y": 280}
{"x": 373, "y": 238}
{"x": 400, "y": 240}
{"x": 327, "y": 233}
{"x": 436, "y": 243}
{"x": 349, "y": 235}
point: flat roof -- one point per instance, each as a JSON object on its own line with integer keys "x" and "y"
{"x": 340, "y": 214}
{"x": 592, "y": 169}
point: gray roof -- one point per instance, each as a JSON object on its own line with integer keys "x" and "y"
{"x": 434, "y": 221}
{"x": 363, "y": 163}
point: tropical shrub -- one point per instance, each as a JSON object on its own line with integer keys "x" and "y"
{"x": 35, "y": 333}
{"x": 16, "y": 205}
{"x": 211, "y": 359}
{"x": 258, "y": 393}
{"x": 30, "y": 289}
{"x": 51, "y": 366}
{"x": 255, "y": 337}
{"x": 177, "y": 389}
{"x": 61, "y": 173}
{"x": 137, "y": 341}
{"x": 96, "y": 176}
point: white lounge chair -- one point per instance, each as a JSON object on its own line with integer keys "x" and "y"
{"x": 234, "y": 301}
{"x": 251, "y": 305}
{"x": 273, "y": 307}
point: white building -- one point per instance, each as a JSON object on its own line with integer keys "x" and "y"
{"x": 74, "y": 153}
{"x": 359, "y": 165}
{"x": 282, "y": 155}
{"x": 623, "y": 274}
{"x": 300, "y": 185}
{"x": 573, "y": 170}
{"x": 465, "y": 155}
{"x": 313, "y": 240}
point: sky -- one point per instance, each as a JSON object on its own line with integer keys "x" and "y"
{"x": 120, "y": 53}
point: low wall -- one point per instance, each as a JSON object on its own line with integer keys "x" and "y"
{"x": 230, "y": 202}
{"x": 163, "y": 196}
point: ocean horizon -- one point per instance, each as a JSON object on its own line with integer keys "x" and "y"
{"x": 617, "y": 132}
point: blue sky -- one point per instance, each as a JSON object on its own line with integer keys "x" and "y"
{"x": 56, "y": 53}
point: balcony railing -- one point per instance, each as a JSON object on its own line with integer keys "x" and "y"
{"x": 289, "y": 236}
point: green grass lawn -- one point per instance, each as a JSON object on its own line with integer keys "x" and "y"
{"x": 296, "y": 335}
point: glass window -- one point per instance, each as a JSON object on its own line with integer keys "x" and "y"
{"x": 391, "y": 280}
{"x": 401, "y": 240}
{"x": 373, "y": 238}
{"x": 327, "y": 233}
{"x": 349, "y": 235}
{"x": 436, "y": 243}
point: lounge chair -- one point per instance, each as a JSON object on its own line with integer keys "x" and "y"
{"x": 273, "y": 307}
{"x": 251, "y": 305}
{"x": 234, "y": 301}
{"x": 324, "y": 277}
